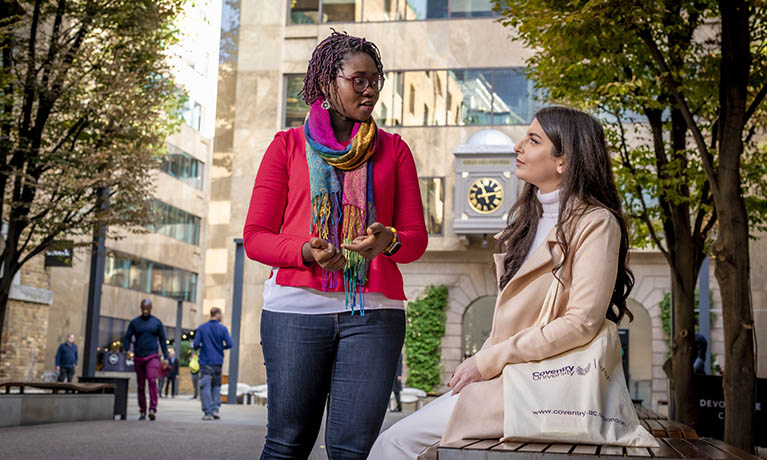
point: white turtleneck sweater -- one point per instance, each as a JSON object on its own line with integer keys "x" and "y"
{"x": 550, "y": 203}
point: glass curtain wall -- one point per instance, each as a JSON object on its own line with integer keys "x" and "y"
{"x": 317, "y": 11}
{"x": 130, "y": 272}
{"x": 456, "y": 97}
{"x": 183, "y": 167}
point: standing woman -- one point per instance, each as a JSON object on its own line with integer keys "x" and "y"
{"x": 336, "y": 206}
{"x": 568, "y": 222}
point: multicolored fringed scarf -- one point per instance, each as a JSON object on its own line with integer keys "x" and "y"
{"x": 341, "y": 180}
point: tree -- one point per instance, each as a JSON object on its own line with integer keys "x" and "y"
{"x": 672, "y": 71}
{"x": 86, "y": 103}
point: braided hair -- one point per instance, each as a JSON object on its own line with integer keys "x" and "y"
{"x": 327, "y": 59}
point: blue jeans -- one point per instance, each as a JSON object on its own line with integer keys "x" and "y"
{"x": 210, "y": 389}
{"x": 345, "y": 361}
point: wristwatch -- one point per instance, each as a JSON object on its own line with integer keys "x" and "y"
{"x": 394, "y": 245}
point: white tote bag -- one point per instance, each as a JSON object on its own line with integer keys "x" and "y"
{"x": 579, "y": 396}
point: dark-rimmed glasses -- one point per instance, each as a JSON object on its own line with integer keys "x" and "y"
{"x": 360, "y": 84}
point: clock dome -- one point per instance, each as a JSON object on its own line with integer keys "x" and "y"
{"x": 490, "y": 137}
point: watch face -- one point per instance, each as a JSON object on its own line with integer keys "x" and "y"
{"x": 486, "y": 195}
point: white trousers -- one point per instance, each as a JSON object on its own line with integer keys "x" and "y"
{"x": 417, "y": 436}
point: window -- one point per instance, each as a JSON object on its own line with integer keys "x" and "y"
{"x": 388, "y": 110}
{"x": 183, "y": 167}
{"x": 126, "y": 271}
{"x": 341, "y": 10}
{"x": 412, "y": 99}
{"x": 175, "y": 223}
{"x": 426, "y": 9}
{"x": 192, "y": 114}
{"x": 471, "y": 8}
{"x": 295, "y": 107}
{"x": 316, "y": 11}
{"x": 425, "y": 91}
{"x": 442, "y": 98}
{"x": 433, "y": 199}
{"x": 513, "y": 98}
{"x": 304, "y": 11}
{"x": 389, "y": 10}
{"x": 476, "y": 87}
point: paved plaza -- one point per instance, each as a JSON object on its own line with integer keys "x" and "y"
{"x": 178, "y": 433}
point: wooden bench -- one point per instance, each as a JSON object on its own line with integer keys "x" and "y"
{"x": 59, "y": 402}
{"x": 55, "y": 387}
{"x": 660, "y": 427}
{"x": 492, "y": 449}
{"x": 677, "y": 441}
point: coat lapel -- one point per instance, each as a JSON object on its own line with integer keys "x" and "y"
{"x": 542, "y": 256}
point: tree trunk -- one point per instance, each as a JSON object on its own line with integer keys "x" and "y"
{"x": 731, "y": 247}
{"x": 684, "y": 276}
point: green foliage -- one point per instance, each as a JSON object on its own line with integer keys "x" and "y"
{"x": 186, "y": 353}
{"x": 87, "y": 100}
{"x": 423, "y": 337}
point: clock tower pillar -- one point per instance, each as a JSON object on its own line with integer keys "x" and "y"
{"x": 485, "y": 184}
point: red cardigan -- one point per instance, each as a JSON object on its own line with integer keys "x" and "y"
{"x": 279, "y": 217}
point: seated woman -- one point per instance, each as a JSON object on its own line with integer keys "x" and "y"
{"x": 568, "y": 222}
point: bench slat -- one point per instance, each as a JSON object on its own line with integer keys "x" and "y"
{"x": 687, "y": 450}
{"x": 533, "y": 447}
{"x": 611, "y": 450}
{"x": 584, "y": 449}
{"x": 732, "y": 451}
{"x": 664, "y": 451}
{"x": 656, "y": 428}
{"x": 461, "y": 443}
{"x": 485, "y": 444}
{"x": 673, "y": 429}
{"x": 638, "y": 452}
{"x": 710, "y": 450}
{"x": 508, "y": 446}
{"x": 560, "y": 448}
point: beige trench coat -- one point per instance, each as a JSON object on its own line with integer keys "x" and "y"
{"x": 588, "y": 278}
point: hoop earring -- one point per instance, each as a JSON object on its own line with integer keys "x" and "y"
{"x": 325, "y": 105}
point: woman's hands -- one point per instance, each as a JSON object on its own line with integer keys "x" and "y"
{"x": 369, "y": 246}
{"x": 467, "y": 372}
{"x": 328, "y": 256}
{"x": 331, "y": 258}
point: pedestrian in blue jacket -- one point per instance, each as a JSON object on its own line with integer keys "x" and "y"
{"x": 66, "y": 359}
{"x": 212, "y": 338}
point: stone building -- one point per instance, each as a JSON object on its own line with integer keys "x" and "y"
{"x": 23, "y": 353}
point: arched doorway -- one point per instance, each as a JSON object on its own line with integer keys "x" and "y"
{"x": 476, "y": 325}
{"x": 640, "y": 352}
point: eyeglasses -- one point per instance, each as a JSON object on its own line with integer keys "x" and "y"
{"x": 360, "y": 84}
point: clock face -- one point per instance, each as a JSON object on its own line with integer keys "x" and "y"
{"x": 486, "y": 195}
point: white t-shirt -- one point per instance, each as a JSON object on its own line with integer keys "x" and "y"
{"x": 308, "y": 301}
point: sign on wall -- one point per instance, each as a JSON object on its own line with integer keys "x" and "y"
{"x": 59, "y": 254}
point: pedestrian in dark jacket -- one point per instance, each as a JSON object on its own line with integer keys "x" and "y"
{"x": 148, "y": 331}
{"x": 66, "y": 359}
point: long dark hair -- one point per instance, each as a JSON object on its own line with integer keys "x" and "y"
{"x": 587, "y": 182}
{"x": 327, "y": 59}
